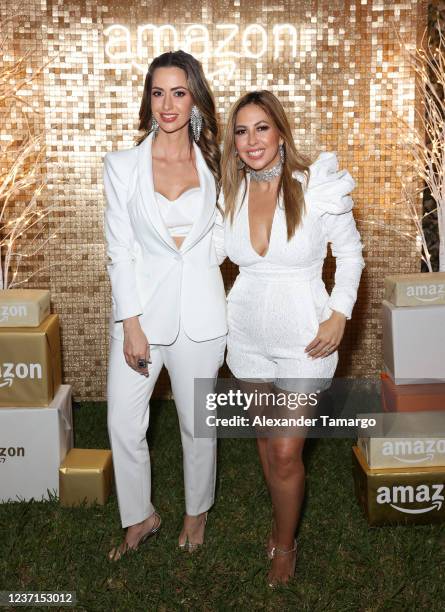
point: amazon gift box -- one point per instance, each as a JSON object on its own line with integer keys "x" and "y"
{"x": 85, "y": 477}
{"x": 33, "y": 443}
{"x": 418, "y": 289}
{"x": 413, "y": 343}
{"x": 30, "y": 364}
{"x": 23, "y": 307}
{"x": 399, "y": 452}
{"x": 404, "y": 496}
{"x": 411, "y": 398}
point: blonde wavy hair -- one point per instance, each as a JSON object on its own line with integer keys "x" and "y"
{"x": 233, "y": 176}
{"x": 202, "y": 98}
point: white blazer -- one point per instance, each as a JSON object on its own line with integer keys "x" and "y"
{"x": 150, "y": 277}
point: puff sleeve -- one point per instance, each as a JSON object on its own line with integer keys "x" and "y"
{"x": 328, "y": 194}
{"x": 120, "y": 242}
{"x": 218, "y": 231}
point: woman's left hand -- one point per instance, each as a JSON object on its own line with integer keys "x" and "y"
{"x": 328, "y": 337}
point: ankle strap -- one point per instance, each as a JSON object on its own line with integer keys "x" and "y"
{"x": 279, "y": 551}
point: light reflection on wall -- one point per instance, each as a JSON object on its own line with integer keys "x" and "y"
{"x": 253, "y": 42}
{"x": 335, "y": 65}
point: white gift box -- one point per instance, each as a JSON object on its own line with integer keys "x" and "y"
{"x": 33, "y": 443}
{"x": 403, "y": 452}
{"x": 414, "y": 343}
{"x": 419, "y": 288}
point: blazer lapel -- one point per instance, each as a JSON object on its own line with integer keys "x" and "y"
{"x": 208, "y": 198}
{"x": 147, "y": 192}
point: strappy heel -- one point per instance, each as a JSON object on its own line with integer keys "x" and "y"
{"x": 189, "y": 546}
{"x": 276, "y": 552}
{"x": 118, "y": 553}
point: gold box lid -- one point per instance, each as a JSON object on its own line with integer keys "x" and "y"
{"x": 392, "y": 470}
{"x": 85, "y": 459}
{"x": 14, "y": 295}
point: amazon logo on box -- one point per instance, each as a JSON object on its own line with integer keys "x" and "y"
{"x": 401, "y": 495}
{"x": 398, "y": 496}
{"x": 12, "y": 311}
{"x": 415, "y": 289}
{"x": 10, "y": 371}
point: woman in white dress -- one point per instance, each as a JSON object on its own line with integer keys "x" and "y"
{"x": 168, "y": 296}
{"x": 281, "y": 211}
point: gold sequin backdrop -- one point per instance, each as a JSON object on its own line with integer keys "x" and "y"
{"x": 336, "y": 66}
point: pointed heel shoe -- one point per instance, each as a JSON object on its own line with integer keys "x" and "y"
{"x": 189, "y": 546}
{"x": 117, "y": 553}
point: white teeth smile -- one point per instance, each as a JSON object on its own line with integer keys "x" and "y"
{"x": 255, "y": 153}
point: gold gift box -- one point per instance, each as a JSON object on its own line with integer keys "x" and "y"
{"x": 417, "y": 289}
{"x": 30, "y": 364}
{"x": 23, "y": 307}
{"x": 85, "y": 476}
{"x": 403, "y": 496}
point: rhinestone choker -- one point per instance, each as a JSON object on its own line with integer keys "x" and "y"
{"x": 267, "y": 175}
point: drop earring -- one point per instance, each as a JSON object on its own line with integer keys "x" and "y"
{"x": 154, "y": 126}
{"x": 282, "y": 156}
{"x": 196, "y": 122}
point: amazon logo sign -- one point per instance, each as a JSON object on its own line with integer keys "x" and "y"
{"x": 225, "y": 42}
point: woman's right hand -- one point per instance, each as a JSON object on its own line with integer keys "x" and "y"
{"x": 136, "y": 345}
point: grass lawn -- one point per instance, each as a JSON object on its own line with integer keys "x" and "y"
{"x": 342, "y": 563}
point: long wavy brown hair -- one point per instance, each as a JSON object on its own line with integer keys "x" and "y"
{"x": 202, "y": 98}
{"x": 233, "y": 176}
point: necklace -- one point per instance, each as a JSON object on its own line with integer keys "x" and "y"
{"x": 267, "y": 175}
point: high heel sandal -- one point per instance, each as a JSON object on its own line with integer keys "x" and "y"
{"x": 276, "y": 552}
{"x": 113, "y": 556}
{"x": 189, "y": 546}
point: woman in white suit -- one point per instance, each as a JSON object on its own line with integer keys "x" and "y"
{"x": 168, "y": 299}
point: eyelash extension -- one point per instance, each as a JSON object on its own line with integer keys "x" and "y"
{"x": 154, "y": 93}
{"x": 242, "y": 131}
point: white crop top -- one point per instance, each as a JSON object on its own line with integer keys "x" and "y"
{"x": 180, "y": 214}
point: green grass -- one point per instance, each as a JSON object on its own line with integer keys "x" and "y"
{"x": 343, "y": 565}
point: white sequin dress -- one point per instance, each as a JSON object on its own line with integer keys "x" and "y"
{"x": 278, "y": 300}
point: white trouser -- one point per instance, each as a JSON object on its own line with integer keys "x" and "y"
{"x": 129, "y": 393}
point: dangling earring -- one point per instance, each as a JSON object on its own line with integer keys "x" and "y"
{"x": 282, "y": 156}
{"x": 154, "y": 126}
{"x": 196, "y": 122}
